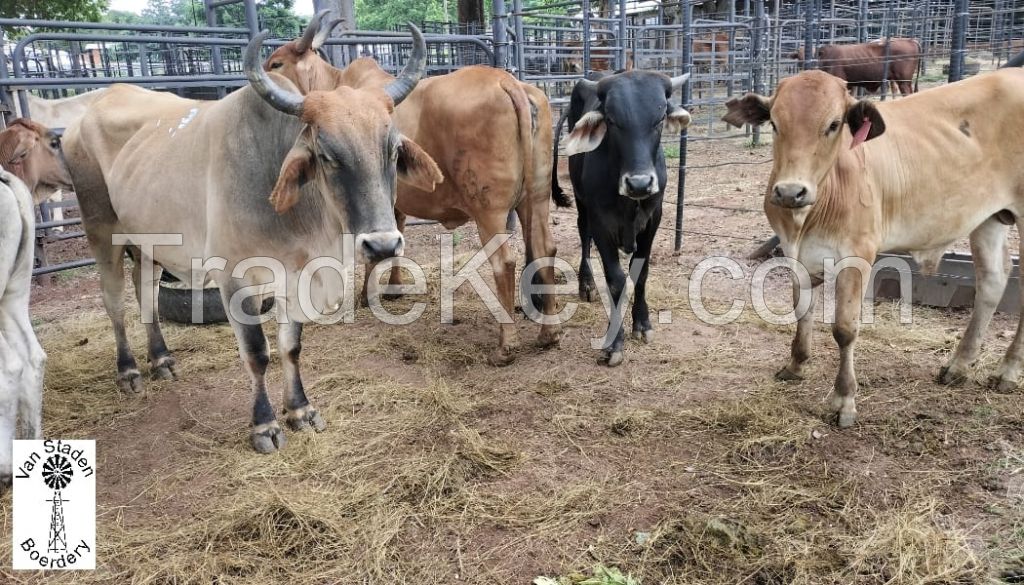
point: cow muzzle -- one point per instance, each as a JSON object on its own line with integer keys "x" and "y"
{"x": 792, "y": 194}
{"x": 638, "y": 185}
{"x": 377, "y": 246}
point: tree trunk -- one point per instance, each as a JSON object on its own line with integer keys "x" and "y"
{"x": 471, "y": 12}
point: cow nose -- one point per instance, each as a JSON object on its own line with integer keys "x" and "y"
{"x": 791, "y": 194}
{"x": 377, "y": 246}
{"x": 639, "y": 183}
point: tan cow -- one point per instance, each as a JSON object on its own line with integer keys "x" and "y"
{"x": 491, "y": 136}
{"x": 262, "y": 183}
{"x": 856, "y": 178}
{"x": 32, "y": 152}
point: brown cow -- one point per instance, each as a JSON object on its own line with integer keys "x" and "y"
{"x": 490, "y": 135}
{"x": 863, "y": 65}
{"x": 32, "y": 152}
{"x": 855, "y": 178}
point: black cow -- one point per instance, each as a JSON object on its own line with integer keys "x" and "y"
{"x": 618, "y": 175}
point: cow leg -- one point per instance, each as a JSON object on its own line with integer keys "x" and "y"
{"x": 800, "y": 349}
{"x": 30, "y": 394}
{"x": 615, "y": 278}
{"x": 642, "y": 328}
{"x": 988, "y": 244}
{"x": 396, "y": 271}
{"x": 539, "y": 244}
{"x": 503, "y": 264}
{"x": 588, "y": 288}
{"x": 906, "y": 87}
{"x": 266, "y": 434}
{"x": 110, "y": 262}
{"x": 299, "y": 413}
{"x": 161, "y": 362}
{"x": 1008, "y": 372}
{"x": 395, "y": 277}
{"x": 11, "y": 375}
{"x": 850, "y": 288}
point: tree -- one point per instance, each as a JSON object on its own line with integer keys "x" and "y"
{"x": 389, "y": 14}
{"x": 471, "y": 12}
{"x": 81, "y": 10}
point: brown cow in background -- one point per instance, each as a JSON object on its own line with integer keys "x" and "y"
{"x": 32, "y": 152}
{"x": 863, "y": 64}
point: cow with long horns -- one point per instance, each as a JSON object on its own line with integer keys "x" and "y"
{"x": 258, "y": 183}
{"x": 491, "y": 137}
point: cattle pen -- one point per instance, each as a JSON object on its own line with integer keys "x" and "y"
{"x": 688, "y": 464}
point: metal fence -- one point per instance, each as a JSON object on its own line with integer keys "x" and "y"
{"x": 728, "y": 47}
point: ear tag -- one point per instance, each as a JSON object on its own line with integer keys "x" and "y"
{"x": 862, "y": 133}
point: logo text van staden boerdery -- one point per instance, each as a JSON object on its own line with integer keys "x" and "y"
{"x": 54, "y": 505}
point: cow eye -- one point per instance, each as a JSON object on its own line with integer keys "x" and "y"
{"x": 833, "y": 126}
{"x": 276, "y": 65}
{"x": 55, "y": 144}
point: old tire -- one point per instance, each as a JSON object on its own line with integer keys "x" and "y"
{"x": 175, "y": 303}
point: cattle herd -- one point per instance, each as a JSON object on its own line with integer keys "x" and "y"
{"x": 307, "y": 154}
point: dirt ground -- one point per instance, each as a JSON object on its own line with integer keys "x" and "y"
{"x": 687, "y": 464}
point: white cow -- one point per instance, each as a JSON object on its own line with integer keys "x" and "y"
{"x": 21, "y": 356}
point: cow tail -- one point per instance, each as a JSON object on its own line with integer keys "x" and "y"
{"x": 521, "y": 105}
{"x": 559, "y": 196}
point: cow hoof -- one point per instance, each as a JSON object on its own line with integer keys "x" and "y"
{"x": 549, "y": 338}
{"x": 612, "y": 358}
{"x": 784, "y": 375}
{"x": 130, "y": 382}
{"x": 500, "y": 357}
{"x": 948, "y": 377}
{"x": 1001, "y": 385}
{"x": 646, "y": 336}
{"x": 845, "y": 420}
{"x": 268, "y": 438}
{"x": 163, "y": 369}
{"x": 588, "y": 293}
{"x": 305, "y": 418}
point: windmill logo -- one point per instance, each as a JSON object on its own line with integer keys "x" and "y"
{"x": 54, "y": 505}
{"x": 57, "y": 475}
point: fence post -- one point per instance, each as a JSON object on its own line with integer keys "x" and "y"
{"x": 218, "y": 62}
{"x": 623, "y": 33}
{"x": 887, "y": 57}
{"x": 517, "y": 21}
{"x": 585, "y": 67}
{"x": 758, "y": 62}
{"x": 500, "y": 38}
{"x": 956, "y": 55}
{"x": 252, "y": 21}
{"x": 687, "y": 57}
{"x": 5, "y": 94}
{"x": 809, "y": 60}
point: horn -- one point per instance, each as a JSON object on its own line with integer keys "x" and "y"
{"x": 400, "y": 88}
{"x": 282, "y": 99}
{"x": 325, "y": 33}
{"x": 678, "y": 82}
{"x": 312, "y": 29}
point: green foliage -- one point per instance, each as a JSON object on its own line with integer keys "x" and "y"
{"x": 387, "y": 14}
{"x": 276, "y": 15}
{"x": 87, "y": 10}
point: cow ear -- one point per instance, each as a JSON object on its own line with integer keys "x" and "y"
{"x": 587, "y": 134}
{"x": 750, "y": 109}
{"x": 677, "y": 119}
{"x": 296, "y": 171}
{"x": 15, "y": 144}
{"x": 416, "y": 168}
{"x": 865, "y": 122}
